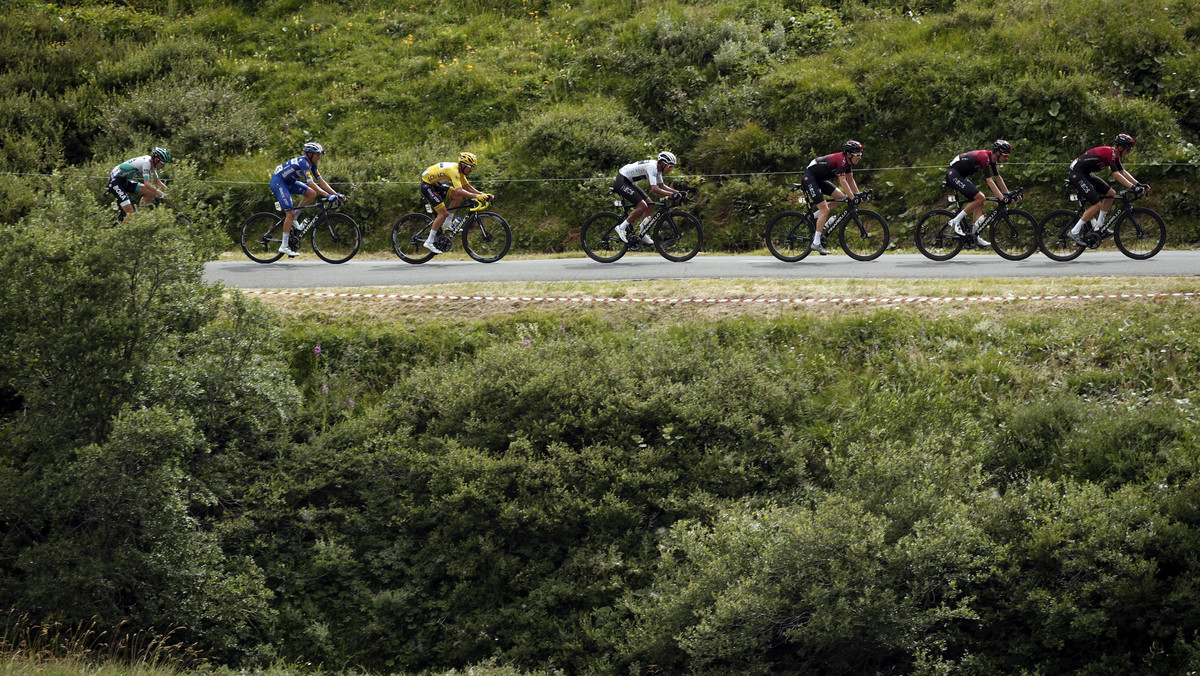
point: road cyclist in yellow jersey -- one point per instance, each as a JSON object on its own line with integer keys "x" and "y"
{"x": 444, "y": 186}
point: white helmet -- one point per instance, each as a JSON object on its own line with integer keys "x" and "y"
{"x": 667, "y": 157}
{"x": 314, "y": 147}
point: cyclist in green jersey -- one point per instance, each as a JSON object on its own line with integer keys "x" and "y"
{"x": 138, "y": 177}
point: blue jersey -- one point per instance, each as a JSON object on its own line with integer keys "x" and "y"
{"x": 296, "y": 170}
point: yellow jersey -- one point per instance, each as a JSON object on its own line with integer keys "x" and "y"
{"x": 444, "y": 171}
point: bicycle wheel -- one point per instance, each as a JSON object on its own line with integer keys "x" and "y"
{"x": 261, "y": 237}
{"x": 408, "y": 238}
{"x": 678, "y": 236}
{"x": 788, "y": 235}
{"x": 599, "y": 237}
{"x": 865, "y": 236}
{"x": 335, "y": 238}
{"x": 1052, "y": 235}
{"x": 1014, "y": 235}
{"x": 1140, "y": 233}
{"x": 935, "y": 237}
{"x": 487, "y": 237}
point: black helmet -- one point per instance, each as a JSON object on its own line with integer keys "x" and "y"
{"x": 160, "y": 153}
{"x": 1123, "y": 141}
{"x": 1002, "y": 147}
{"x": 852, "y": 147}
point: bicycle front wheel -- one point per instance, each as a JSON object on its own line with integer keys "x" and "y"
{"x": 599, "y": 237}
{"x": 336, "y": 238}
{"x": 487, "y": 237}
{"x": 865, "y": 236}
{"x": 1014, "y": 235}
{"x": 261, "y": 236}
{"x": 788, "y": 235}
{"x": 678, "y": 236}
{"x": 1140, "y": 233}
{"x": 408, "y": 238}
{"x": 934, "y": 236}
{"x": 1052, "y": 235}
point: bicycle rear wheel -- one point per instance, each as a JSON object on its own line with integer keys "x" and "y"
{"x": 599, "y": 237}
{"x": 1140, "y": 234}
{"x": 1014, "y": 235}
{"x": 335, "y": 238}
{"x": 408, "y": 238}
{"x": 788, "y": 235}
{"x": 865, "y": 236}
{"x": 261, "y": 236}
{"x": 487, "y": 237}
{"x": 935, "y": 237}
{"x": 678, "y": 236}
{"x": 1052, "y": 235}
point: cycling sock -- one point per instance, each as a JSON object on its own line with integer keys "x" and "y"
{"x": 1078, "y": 228}
{"x": 817, "y": 239}
{"x": 432, "y": 236}
{"x": 958, "y": 219}
{"x": 978, "y": 224}
{"x": 1100, "y": 220}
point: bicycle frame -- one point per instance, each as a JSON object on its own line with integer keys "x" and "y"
{"x": 1122, "y": 204}
{"x": 837, "y": 220}
{"x": 989, "y": 218}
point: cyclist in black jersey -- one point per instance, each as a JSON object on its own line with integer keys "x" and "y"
{"x": 967, "y": 164}
{"x": 1095, "y": 189}
{"x": 818, "y": 182}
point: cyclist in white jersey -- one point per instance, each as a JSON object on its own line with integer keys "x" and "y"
{"x": 652, "y": 171}
{"x": 138, "y": 177}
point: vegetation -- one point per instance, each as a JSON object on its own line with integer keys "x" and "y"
{"x": 994, "y": 488}
{"x": 545, "y": 90}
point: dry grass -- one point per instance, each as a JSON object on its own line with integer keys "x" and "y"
{"x": 419, "y": 310}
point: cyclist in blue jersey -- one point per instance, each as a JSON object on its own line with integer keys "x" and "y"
{"x": 956, "y": 177}
{"x": 818, "y": 182}
{"x": 299, "y": 176}
{"x": 138, "y": 177}
{"x": 1095, "y": 189}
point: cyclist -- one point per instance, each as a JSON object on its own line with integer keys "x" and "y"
{"x": 139, "y": 176}
{"x": 447, "y": 179}
{"x": 956, "y": 177}
{"x": 299, "y": 176}
{"x": 818, "y": 182}
{"x": 652, "y": 171}
{"x": 1095, "y": 189}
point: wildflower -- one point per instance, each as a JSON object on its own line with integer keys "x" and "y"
{"x": 317, "y": 349}
{"x": 351, "y": 402}
{"x": 325, "y": 389}
{"x": 528, "y": 342}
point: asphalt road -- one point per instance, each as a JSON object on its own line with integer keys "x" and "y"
{"x": 308, "y": 271}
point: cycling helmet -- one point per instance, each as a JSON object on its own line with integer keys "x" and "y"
{"x": 852, "y": 147}
{"x": 313, "y": 147}
{"x": 468, "y": 159}
{"x": 160, "y": 153}
{"x": 667, "y": 157}
{"x": 1123, "y": 141}
{"x": 1003, "y": 147}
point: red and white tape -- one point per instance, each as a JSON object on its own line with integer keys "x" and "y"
{"x": 798, "y": 301}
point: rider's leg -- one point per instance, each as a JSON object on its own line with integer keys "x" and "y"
{"x": 1105, "y": 205}
{"x": 639, "y": 213}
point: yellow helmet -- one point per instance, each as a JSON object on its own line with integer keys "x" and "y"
{"x": 467, "y": 159}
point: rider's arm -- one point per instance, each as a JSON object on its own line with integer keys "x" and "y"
{"x": 996, "y": 183}
{"x": 663, "y": 189}
{"x": 849, "y": 186}
{"x": 1125, "y": 178}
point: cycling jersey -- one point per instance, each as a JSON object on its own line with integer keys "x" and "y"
{"x": 830, "y": 167}
{"x": 970, "y": 162}
{"x": 1097, "y": 159}
{"x": 444, "y": 171}
{"x": 296, "y": 170}
{"x": 645, "y": 169}
{"x": 137, "y": 169}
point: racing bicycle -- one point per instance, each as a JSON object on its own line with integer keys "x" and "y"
{"x": 335, "y": 237}
{"x": 863, "y": 234}
{"x": 486, "y": 236}
{"x": 677, "y": 234}
{"x": 1138, "y": 232}
{"x": 1013, "y": 231}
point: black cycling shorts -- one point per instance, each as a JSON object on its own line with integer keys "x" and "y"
{"x": 815, "y": 188}
{"x": 963, "y": 185}
{"x": 434, "y": 193}
{"x": 1089, "y": 187}
{"x": 123, "y": 189}
{"x": 629, "y": 190}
